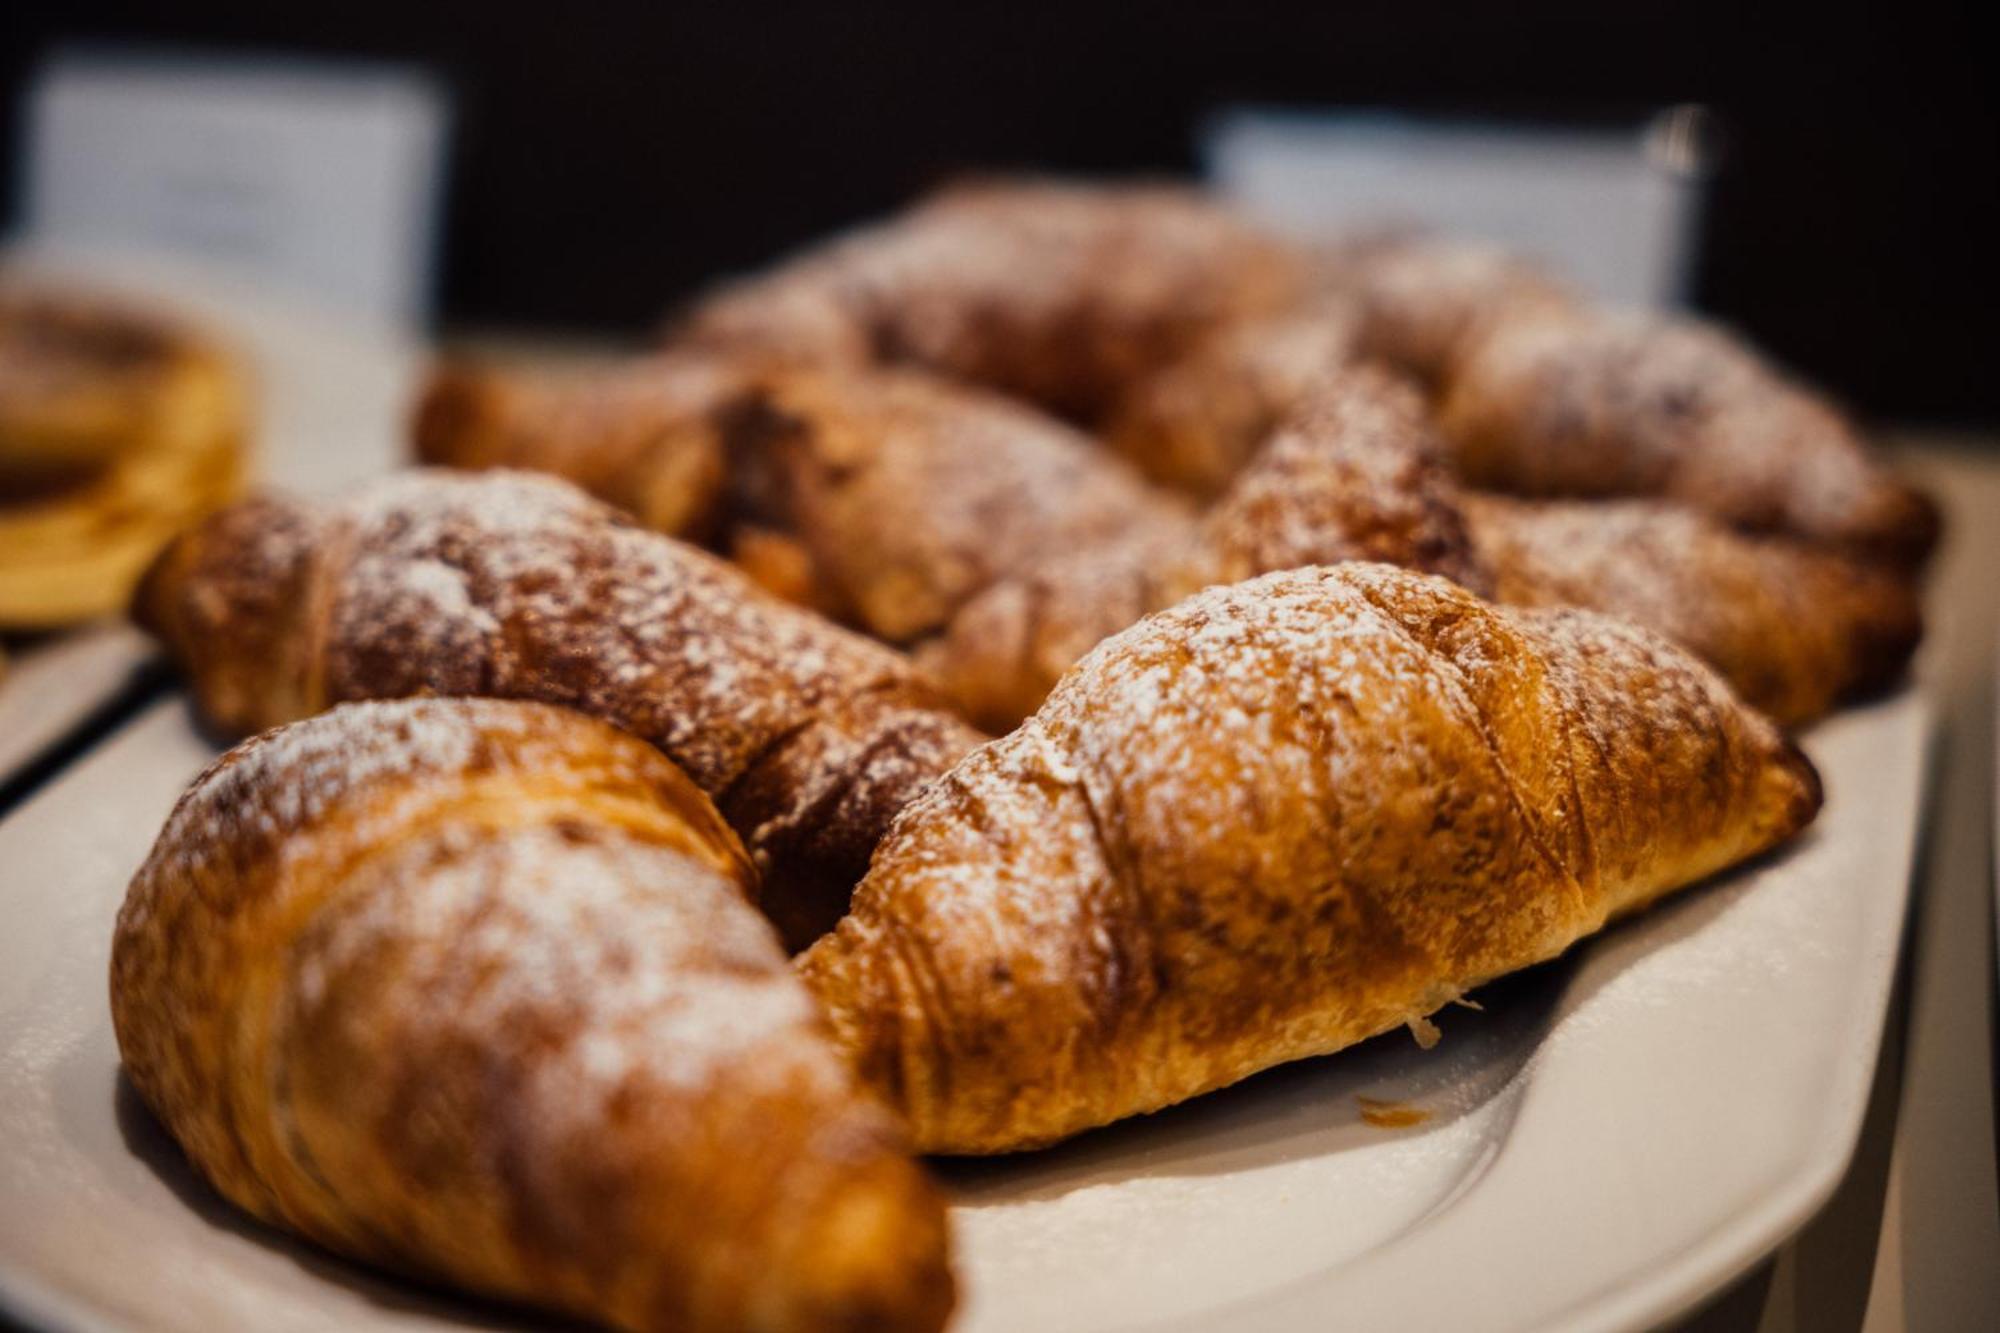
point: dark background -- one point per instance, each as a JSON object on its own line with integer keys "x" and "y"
{"x": 609, "y": 157}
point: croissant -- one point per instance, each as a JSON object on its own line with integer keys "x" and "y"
{"x": 1196, "y": 422}
{"x": 1793, "y": 628}
{"x": 1413, "y": 303}
{"x": 1351, "y": 476}
{"x": 807, "y": 737}
{"x": 1596, "y": 405}
{"x": 1063, "y": 294}
{"x": 640, "y": 436}
{"x": 1355, "y": 474}
{"x": 1281, "y": 817}
{"x": 905, "y": 495}
{"x": 475, "y": 990}
{"x": 1421, "y": 302}
{"x": 883, "y": 499}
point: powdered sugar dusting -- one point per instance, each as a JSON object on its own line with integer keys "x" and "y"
{"x": 1573, "y": 402}
{"x": 1063, "y": 294}
{"x": 1272, "y": 820}
{"x": 911, "y": 494}
{"x": 265, "y": 792}
{"x": 649, "y": 965}
{"x": 441, "y": 590}
{"x": 1352, "y": 473}
{"x": 1425, "y": 301}
{"x": 518, "y": 586}
{"x": 1193, "y": 424}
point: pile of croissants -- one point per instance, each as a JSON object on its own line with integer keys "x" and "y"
{"x": 1114, "y": 649}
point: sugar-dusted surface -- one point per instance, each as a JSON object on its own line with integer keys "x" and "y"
{"x": 1063, "y": 294}
{"x": 1652, "y": 1102}
{"x": 808, "y": 737}
{"x": 1569, "y": 402}
{"x": 1349, "y": 473}
{"x": 1353, "y": 472}
{"x": 475, "y": 989}
{"x": 1275, "y": 819}
{"x": 1795, "y": 628}
{"x": 537, "y": 920}
{"x": 506, "y": 579}
{"x": 1663, "y": 1105}
{"x": 1194, "y": 423}
{"x": 1356, "y": 471}
{"x": 909, "y": 494}
{"x": 1424, "y": 300}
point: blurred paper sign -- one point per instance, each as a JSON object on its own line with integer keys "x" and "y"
{"x": 321, "y": 178}
{"x": 1614, "y": 210}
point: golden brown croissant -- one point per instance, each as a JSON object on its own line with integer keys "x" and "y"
{"x": 906, "y": 495}
{"x": 808, "y": 738}
{"x": 1356, "y": 474}
{"x": 882, "y": 498}
{"x": 1352, "y": 475}
{"x": 1195, "y": 423}
{"x": 1062, "y": 294}
{"x": 1421, "y": 302}
{"x": 1545, "y": 396}
{"x": 639, "y": 436}
{"x": 1592, "y": 405}
{"x": 1793, "y": 628}
{"x": 475, "y": 990}
{"x": 1413, "y": 303}
{"x": 1277, "y": 819}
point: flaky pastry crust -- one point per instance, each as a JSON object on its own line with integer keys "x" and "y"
{"x": 475, "y": 990}
{"x": 502, "y": 584}
{"x": 1281, "y": 817}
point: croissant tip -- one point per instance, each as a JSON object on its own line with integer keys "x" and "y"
{"x": 1806, "y": 794}
{"x": 147, "y": 605}
{"x": 880, "y": 1258}
{"x": 450, "y": 404}
{"x": 1902, "y": 529}
{"x": 1925, "y": 526}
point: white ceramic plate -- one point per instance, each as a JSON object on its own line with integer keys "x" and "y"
{"x": 1615, "y": 1136}
{"x": 332, "y": 398}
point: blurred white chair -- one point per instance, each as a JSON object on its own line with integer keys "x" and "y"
{"x": 1615, "y": 211}
{"x": 324, "y": 179}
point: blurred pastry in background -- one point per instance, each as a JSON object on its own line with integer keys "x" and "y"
{"x": 1058, "y": 292}
{"x": 639, "y": 435}
{"x": 1422, "y": 301}
{"x": 1358, "y": 472}
{"x": 872, "y": 429}
{"x": 1596, "y": 404}
{"x": 885, "y": 498}
{"x": 1543, "y": 394}
{"x": 1197, "y": 421}
{"x": 118, "y": 427}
